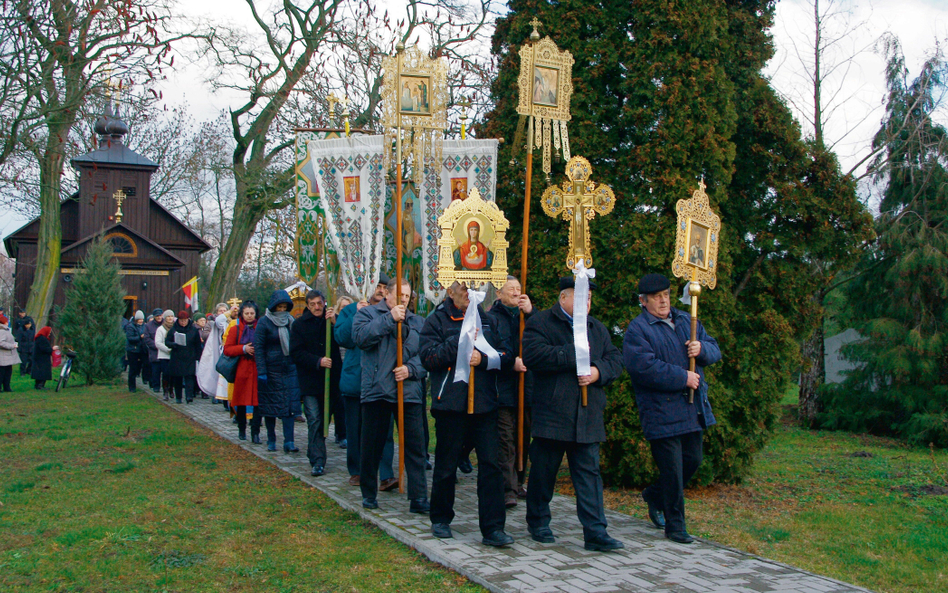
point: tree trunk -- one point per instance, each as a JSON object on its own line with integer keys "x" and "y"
{"x": 813, "y": 375}
{"x": 224, "y": 279}
{"x": 49, "y": 242}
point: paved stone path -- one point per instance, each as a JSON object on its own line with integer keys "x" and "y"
{"x": 649, "y": 562}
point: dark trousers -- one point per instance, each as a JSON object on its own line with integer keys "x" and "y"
{"x": 240, "y": 412}
{"x": 137, "y": 364}
{"x": 316, "y": 442}
{"x": 164, "y": 380}
{"x": 6, "y": 373}
{"x": 187, "y": 383}
{"x": 677, "y": 459}
{"x": 337, "y": 415}
{"x": 376, "y": 421}
{"x": 507, "y": 427}
{"x": 354, "y": 450}
{"x": 27, "y": 365}
{"x": 546, "y": 455}
{"x": 154, "y": 377}
{"x": 454, "y": 430}
{"x": 270, "y": 422}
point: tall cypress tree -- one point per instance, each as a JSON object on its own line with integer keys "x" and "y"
{"x": 666, "y": 94}
{"x": 899, "y": 299}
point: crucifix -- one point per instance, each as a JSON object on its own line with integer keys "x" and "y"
{"x": 332, "y": 100}
{"x": 233, "y": 302}
{"x": 578, "y": 201}
{"x": 119, "y": 197}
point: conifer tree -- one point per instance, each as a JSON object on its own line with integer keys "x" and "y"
{"x": 90, "y": 320}
{"x": 898, "y": 301}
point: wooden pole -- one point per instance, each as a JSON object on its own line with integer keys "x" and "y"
{"x": 327, "y": 372}
{"x": 523, "y": 287}
{"x": 694, "y": 289}
{"x": 398, "y": 281}
{"x": 470, "y": 392}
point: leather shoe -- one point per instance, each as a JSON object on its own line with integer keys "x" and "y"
{"x": 389, "y": 484}
{"x": 419, "y": 506}
{"x": 354, "y": 481}
{"x": 510, "y": 500}
{"x": 498, "y": 539}
{"x": 655, "y": 515}
{"x": 521, "y": 492}
{"x": 465, "y": 466}
{"x": 603, "y": 543}
{"x": 318, "y": 470}
{"x": 343, "y": 444}
{"x": 255, "y": 439}
{"x": 289, "y": 447}
{"x": 544, "y": 535}
{"x": 441, "y": 530}
{"x": 370, "y": 503}
{"x": 680, "y": 537}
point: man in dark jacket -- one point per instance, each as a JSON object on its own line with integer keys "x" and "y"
{"x": 506, "y": 311}
{"x": 185, "y": 344}
{"x": 151, "y": 327}
{"x": 24, "y": 346}
{"x": 656, "y": 350}
{"x": 454, "y": 427}
{"x": 21, "y": 320}
{"x": 350, "y": 384}
{"x": 561, "y": 424}
{"x": 135, "y": 350}
{"x": 375, "y": 330}
{"x": 308, "y": 349}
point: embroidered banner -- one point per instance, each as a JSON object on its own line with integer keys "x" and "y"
{"x": 311, "y": 254}
{"x": 351, "y": 186}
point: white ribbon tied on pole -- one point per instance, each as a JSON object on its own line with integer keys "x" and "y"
{"x": 472, "y": 335}
{"x": 580, "y": 307}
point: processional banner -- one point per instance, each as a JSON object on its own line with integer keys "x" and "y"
{"x": 465, "y": 165}
{"x": 350, "y": 182}
{"x": 312, "y": 254}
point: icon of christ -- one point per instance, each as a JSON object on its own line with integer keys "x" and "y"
{"x": 472, "y": 254}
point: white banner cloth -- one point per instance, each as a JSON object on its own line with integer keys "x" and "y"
{"x": 472, "y": 335}
{"x": 580, "y": 307}
{"x": 351, "y": 183}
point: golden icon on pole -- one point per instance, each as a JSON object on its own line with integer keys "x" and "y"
{"x": 697, "y": 238}
{"x": 473, "y": 245}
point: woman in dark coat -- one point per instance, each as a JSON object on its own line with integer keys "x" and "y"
{"x": 182, "y": 367}
{"x": 278, "y": 388}
{"x": 24, "y": 341}
{"x": 42, "y": 363}
{"x": 239, "y": 342}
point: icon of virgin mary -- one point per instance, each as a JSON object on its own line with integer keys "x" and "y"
{"x": 472, "y": 254}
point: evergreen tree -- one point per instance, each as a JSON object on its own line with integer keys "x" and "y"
{"x": 899, "y": 300}
{"x": 667, "y": 94}
{"x": 90, "y": 320}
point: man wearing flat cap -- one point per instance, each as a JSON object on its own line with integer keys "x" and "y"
{"x": 561, "y": 424}
{"x": 656, "y": 351}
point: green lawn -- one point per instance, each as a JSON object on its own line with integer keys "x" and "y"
{"x": 102, "y": 490}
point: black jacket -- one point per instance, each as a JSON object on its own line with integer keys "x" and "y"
{"x": 549, "y": 351}
{"x": 135, "y": 338}
{"x": 439, "y": 352}
{"x": 42, "y": 363}
{"x": 20, "y": 323}
{"x": 307, "y": 346}
{"x": 508, "y": 383}
{"x": 375, "y": 332}
{"x": 24, "y": 343}
{"x": 184, "y": 359}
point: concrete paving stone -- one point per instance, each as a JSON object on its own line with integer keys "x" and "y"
{"x": 649, "y": 563}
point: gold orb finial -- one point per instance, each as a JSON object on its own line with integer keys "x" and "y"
{"x": 535, "y": 35}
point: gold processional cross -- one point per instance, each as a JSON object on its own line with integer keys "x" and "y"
{"x": 578, "y": 202}
{"x": 119, "y": 197}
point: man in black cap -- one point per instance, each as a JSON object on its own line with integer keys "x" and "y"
{"x": 561, "y": 424}
{"x": 656, "y": 351}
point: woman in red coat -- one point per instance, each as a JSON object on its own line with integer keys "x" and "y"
{"x": 239, "y": 343}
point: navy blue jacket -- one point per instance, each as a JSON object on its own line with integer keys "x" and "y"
{"x": 350, "y": 382}
{"x": 282, "y": 386}
{"x": 657, "y": 360}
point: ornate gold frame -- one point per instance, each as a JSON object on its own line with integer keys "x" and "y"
{"x": 695, "y": 214}
{"x": 545, "y": 54}
{"x": 460, "y": 211}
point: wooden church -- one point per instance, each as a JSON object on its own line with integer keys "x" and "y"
{"x": 156, "y": 251}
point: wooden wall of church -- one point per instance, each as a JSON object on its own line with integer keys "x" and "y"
{"x": 97, "y": 206}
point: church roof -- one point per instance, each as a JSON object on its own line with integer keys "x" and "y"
{"x": 112, "y": 151}
{"x": 163, "y": 253}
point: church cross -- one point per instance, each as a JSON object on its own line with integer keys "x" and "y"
{"x": 332, "y": 100}
{"x": 535, "y": 35}
{"x": 578, "y": 201}
{"x": 119, "y": 197}
{"x": 233, "y": 301}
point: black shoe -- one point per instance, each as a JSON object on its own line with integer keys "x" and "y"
{"x": 680, "y": 537}
{"x": 203, "y": 396}
{"x": 255, "y": 439}
{"x": 441, "y": 530}
{"x": 544, "y": 535}
{"x": 178, "y": 401}
{"x": 370, "y": 503}
{"x": 242, "y": 435}
{"x": 655, "y": 515}
{"x": 343, "y": 444}
{"x": 603, "y": 543}
{"x": 419, "y": 506}
{"x": 289, "y": 447}
{"x": 465, "y": 466}
{"x": 318, "y": 470}
{"x": 428, "y": 466}
{"x": 497, "y": 539}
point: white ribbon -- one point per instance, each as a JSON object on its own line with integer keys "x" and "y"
{"x": 580, "y": 306}
{"x": 472, "y": 336}
{"x": 686, "y": 295}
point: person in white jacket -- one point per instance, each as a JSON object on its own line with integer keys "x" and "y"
{"x": 164, "y": 353}
{"x": 8, "y": 354}
{"x": 207, "y": 375}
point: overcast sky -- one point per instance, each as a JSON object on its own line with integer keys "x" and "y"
{"x": 859, "y": 90}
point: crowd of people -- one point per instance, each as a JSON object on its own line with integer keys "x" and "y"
{"x": 282, "y": 364}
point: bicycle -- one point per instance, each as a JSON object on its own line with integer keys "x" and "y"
{"x": 66, "y": 369}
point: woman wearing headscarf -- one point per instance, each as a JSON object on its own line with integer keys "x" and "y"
{"x": 8, "y": 354}
{"x": 240, "y": 344}
{"x": 42, "y": 363}
{"x": 277, "y": 385}
{"x": 184, "y": 340}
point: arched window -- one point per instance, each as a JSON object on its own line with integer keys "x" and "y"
{"x": 122, "y": 245}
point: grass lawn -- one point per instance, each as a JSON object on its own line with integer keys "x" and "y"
{"x": 102, "y": 490}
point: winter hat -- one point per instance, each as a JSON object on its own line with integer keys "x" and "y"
{"x": 652, "y": 283}
{"x": 182, "y": 314}
{"x": 139, "y": 315}
{"x": 3, "y": 319}
{"x": 167, "y": 313}
{"x": 156, "y": 312}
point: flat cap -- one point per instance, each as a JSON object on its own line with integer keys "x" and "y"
{"x": 383, "y": 279}
{"x": 570, "y": 282}
{"x": 652, "y": 283}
